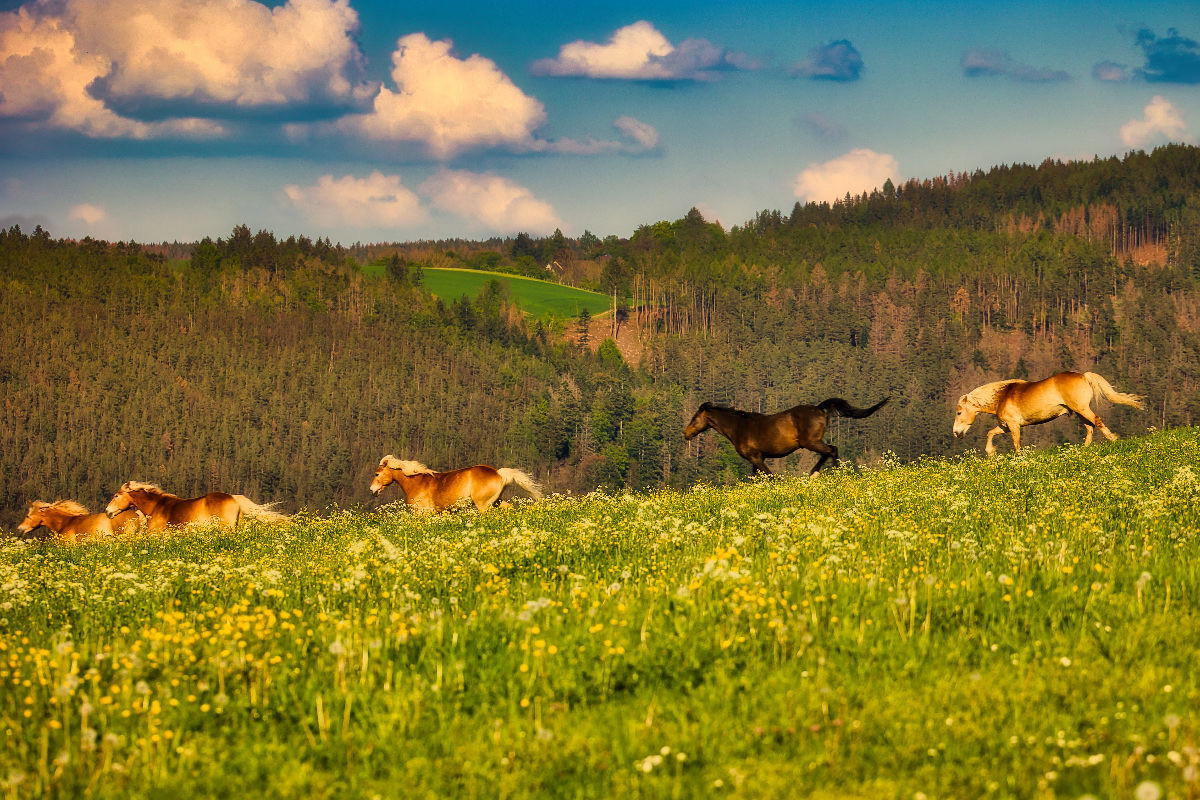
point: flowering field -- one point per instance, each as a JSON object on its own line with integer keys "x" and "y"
{"x": 1022, "y": 627}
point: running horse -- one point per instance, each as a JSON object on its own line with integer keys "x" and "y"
{"x": 163, "y": 508}
{"x": 760, "y": 436}
{"x": 426, "y": 490}
{"x": 1016, "y": 402}
{"x": 70, "y": 521}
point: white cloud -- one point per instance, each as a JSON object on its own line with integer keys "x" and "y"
{"x": 858, "y": 171}
{"x": 377, "y": 200}
{"x": 491, "y": 201}
{"x": 1161, "y": 120}
{"x": 640, "y": 52}
{"x": 448, "y": 104}
{"x": 89, "y": 65}
{"x": 46, "y": 75}
{"x": 88, "y": 214}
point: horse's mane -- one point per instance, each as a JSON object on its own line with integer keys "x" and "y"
{"x": 728, "y": 410}
{"x": 67, "y": 507}
{"x": 407, "y": 467}
{"x": 149, "y": 488}
{"x": 985, "y": 396}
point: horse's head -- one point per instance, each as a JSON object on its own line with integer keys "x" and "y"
{"x": 35, "y": 517}
{"x": 121, "y": 501}
{"x": 383, "y": 478}
{"x": 700, "y": 422}
{"x": 964, "y": 415}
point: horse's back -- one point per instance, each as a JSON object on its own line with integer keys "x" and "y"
{"x": 221, "y": 505}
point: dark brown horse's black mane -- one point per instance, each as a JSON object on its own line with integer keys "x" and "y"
{"x": 728, "y": 410}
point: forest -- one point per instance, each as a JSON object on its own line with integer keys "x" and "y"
{"x": 284, "y": 369}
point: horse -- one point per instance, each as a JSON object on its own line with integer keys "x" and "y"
{"x": 163, "y": 508}
{"x": 426, "y": 490}
{"x": 760, "y": 436}
{"x": 1017, "y": 402}
{"x": 70, "y": 521}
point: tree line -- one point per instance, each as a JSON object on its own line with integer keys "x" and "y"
{"x": 283, "y": 369}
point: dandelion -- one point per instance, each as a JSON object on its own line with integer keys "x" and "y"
{"x": 1148, "y": 790}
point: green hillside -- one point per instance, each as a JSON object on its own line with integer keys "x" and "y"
{"x": 540, "y": 299}
{"x": 955, "y": 628}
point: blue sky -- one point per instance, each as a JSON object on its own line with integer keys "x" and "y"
{"x": 377, "y": 121}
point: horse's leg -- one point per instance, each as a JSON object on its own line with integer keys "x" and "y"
{"x": 990, "y": 448}
{"x": 756, "y": 460}
{"x": 485, "y": 499}
{"x": 1015, "y": 430}
{"x": 1093, "y": 420}
{"x": 827, "y": 452}
{"x": 1088, "y": 428}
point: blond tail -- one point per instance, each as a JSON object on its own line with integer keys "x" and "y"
{"x": 1099, "y": 384}
{"x": 262, "y": 513}
{"x": 523, "y": 480}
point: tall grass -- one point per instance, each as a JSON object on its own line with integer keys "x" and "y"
{"x": 1019, "y": 627}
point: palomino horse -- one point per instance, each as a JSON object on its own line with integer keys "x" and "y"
{"x": 70, "y": 521}
{"x": 426, "y": 490}
{"x": 760, "y": 436}
{"x": 1016, "y": 402}
{"x": 163, "y": 508}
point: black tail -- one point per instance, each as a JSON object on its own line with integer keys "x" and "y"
{"x": 836, "y": 406}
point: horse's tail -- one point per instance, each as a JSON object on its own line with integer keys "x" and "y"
{"x": 838, "y": 407}
{"x": 262, "y": 513}
{"x": 523, "y": 480}
{"x": 1105, "y": 389}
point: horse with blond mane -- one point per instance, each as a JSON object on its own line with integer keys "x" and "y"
{"x": 163, "y": 508}
{"x": 426, "y": 490}
{"x": 1016, "y": 402}
{"x": 70, "y": 521}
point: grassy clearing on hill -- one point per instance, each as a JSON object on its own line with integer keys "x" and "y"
{"x": 1020, "y": 627}
{"x": 539, "y": 299}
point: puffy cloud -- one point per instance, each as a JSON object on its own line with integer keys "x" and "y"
{"x": 1161, "y": 120}
{"x": 377, "y": 200}
{"x": 88, "y": 214}
{"x": 45, "y": 76}
{"x": 1110, "y": 72}
{"x": 95, "y": 66}
{"x": 980, "y": 63}
{"x": 640, "y": 52}
{"x": 229, "y": 52}
{"x": 858, "y": 171}
{"x": 836, "y": 61}
{"x": 491, "y": 201}
{"x": 447, "y": 104}
{"x": 1172, "y": 59}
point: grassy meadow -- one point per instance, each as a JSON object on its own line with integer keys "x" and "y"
{"x": 539, "y": 299}
{"x": 1022, "y": 627}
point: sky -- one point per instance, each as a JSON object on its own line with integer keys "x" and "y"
{"x": 370, "y": 121}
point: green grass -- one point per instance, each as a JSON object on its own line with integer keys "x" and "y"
{"x": 1021, "y": 627}
{"x": 540, "y": 299}
{"x": 537, "y": 298}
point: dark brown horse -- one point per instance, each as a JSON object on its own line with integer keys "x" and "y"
{"x": 760, "y": 436}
